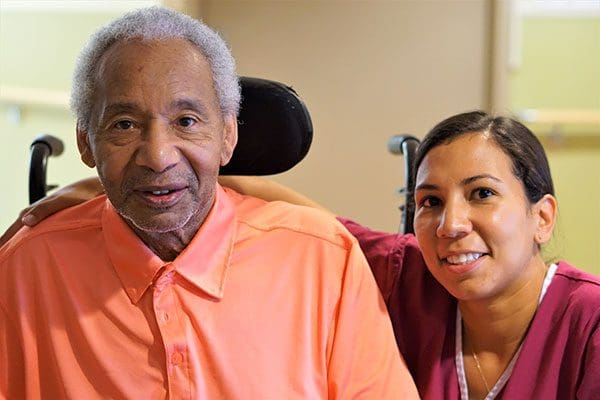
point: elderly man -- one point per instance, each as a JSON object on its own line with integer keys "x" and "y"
{"x": 170, "y": 285}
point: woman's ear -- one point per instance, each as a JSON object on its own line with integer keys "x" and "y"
{"x": 85, "y": 150}
{"x": 545, "y": 212}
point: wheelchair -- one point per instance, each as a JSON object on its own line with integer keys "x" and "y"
{"x": 266, "y": 146}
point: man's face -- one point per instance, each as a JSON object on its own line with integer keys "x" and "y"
{"x": 157, "y": 135}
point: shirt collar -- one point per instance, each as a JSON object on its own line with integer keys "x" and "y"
{"x": 204, "y": 262}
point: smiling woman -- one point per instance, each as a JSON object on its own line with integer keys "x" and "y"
{"x": 480, "y": 221}
{"x": 478, "y": 314}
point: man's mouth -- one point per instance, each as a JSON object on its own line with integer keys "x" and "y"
{"x": 161, "y": 192}
{"x": 161, "y": 197}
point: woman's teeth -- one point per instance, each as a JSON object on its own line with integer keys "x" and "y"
{"x": 463, "y": 258}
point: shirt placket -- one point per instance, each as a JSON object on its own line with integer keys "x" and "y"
{"x": 172, "y": 330}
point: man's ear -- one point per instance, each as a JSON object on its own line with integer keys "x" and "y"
{"x": 545, "y": 211}
{"x": 230, "y": 137}
{"x": 85, "y": 150}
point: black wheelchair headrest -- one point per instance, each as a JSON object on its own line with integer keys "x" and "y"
{"x": 274, "y": 134}
{"x": 274, "y": 129}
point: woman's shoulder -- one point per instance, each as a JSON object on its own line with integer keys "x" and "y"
{"x": 577, "y": 277}
{"x": 580, "y": 289}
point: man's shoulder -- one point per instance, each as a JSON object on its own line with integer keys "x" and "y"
{"x": 70, "y": 221}
{"x": 259, "y": 215}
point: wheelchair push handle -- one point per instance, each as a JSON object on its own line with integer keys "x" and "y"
{"x": 42, "y": 147}
{"x": 406, "y": 145}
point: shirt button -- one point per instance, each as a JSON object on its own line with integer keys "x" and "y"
{"x": 176, "y": 358}
{"x": 165, "y": 317}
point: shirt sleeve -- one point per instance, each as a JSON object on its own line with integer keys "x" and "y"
{"x": 590, "y": 383}
{"x": 380, "y": 249}
{"x": 363, "y": 360}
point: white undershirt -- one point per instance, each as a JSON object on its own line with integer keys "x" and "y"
{"x": 460, "y": 365}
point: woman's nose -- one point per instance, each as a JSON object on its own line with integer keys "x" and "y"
{"x": 454, "y": 220}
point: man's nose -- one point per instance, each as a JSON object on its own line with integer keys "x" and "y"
{"x": 455, "y": 220}
{"x": 157, "y": 150}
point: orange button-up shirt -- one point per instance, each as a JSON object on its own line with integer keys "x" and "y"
{"x": 268, "y": 301}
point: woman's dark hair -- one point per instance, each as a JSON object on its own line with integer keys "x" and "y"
{"x": 529, "y": 162}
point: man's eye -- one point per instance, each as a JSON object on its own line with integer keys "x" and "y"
{"x": 124, "y": 125}
{"x": 186, "y": 122}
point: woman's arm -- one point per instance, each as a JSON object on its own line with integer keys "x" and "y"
{"x": 89, "y": 188}
{"x": 66, "y": 196}
{"x": 267, "y": 190}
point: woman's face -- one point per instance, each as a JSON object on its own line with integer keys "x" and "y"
{"x": 473, "y": 221}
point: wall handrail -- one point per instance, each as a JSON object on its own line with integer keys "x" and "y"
{"x": 560, "y": 116}
{"x": 28, "y": 96}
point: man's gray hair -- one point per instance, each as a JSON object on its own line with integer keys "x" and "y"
{"x": 154, "y": 23}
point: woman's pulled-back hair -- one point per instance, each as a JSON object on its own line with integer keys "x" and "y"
{"x": 529, "y": 162}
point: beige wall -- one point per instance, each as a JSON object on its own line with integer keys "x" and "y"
{"x": 366, "y": 70}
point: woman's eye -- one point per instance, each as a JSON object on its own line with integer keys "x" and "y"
{"x": 186, "y": 121}
{"x": 124, "y": 125}
{"x": 430, "y": 201}
{"x": 483, "y": 193}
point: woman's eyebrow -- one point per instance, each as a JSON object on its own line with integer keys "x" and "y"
{"x": 464, "y": 182}
{"x": 426, "y": 186}
{"x": 474, "y": 178}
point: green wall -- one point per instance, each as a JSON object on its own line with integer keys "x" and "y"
{"x": 38, "y": 50}
{"x": 560, "y": 69}
{"x": 560, "y": 64}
